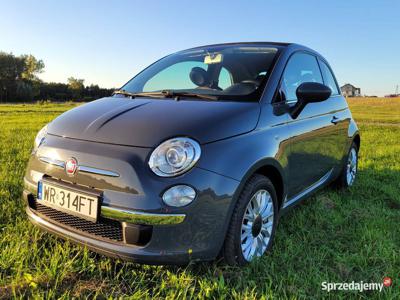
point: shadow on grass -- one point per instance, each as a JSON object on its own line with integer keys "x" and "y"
{"x": 325, "y": 237}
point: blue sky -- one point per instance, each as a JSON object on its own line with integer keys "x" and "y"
{"x": 107, "y": 42}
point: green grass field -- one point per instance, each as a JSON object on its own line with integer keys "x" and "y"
{"x": 335, "y": 236}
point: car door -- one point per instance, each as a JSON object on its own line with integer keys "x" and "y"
{"x": 313, "y": 143}
{"x": 342, "y": 116}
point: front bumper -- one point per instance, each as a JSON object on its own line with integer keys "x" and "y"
{"x": 125, "y": 252}
{"x": 178, "y": 235}
{"x": 120, "y": 214}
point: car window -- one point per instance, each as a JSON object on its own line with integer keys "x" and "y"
{"x": 227, "y": 72}
{"x": 301, "y": 68}
{"x": 174, "y": 77}
{"x": 224, "y": 79}
{"x": 329, "y": 80}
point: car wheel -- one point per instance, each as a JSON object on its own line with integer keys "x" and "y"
{"x": 254, "y": 219}
{"x": 349, "y": 172}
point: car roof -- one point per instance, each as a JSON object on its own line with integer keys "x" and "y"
{"x": 245, "y": 43}
{"x": 291, "y": 47}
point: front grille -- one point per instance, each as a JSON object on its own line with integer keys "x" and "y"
{"x": 103, "y": 228}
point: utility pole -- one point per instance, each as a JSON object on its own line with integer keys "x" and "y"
{"x": 397, "y": 90}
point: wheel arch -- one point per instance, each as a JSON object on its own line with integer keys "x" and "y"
{"x": 271, "y": 169}
{"x": 353, "y": 134}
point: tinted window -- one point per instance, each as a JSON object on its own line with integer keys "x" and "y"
{"x": 173, "y": 77}
{"x": 300, "y": 68}
{"x": 329, "y": 80}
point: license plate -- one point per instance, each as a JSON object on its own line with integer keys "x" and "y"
{"x": 69, "y": 201}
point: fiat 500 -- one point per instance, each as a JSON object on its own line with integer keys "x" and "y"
{"x": 196, "y": 157}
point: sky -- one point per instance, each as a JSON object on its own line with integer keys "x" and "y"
{"x": 108, "y": 42}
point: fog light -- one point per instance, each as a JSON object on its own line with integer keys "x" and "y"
{"x": 179, "y": 195}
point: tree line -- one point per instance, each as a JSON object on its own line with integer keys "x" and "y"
{"x": 19, "y": 82}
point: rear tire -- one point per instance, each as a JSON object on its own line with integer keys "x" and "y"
{"x": 253, "y": 223}
{"x": 349, "y": 172}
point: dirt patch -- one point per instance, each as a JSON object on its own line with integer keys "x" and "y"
{"x": 392, "y": 204}
{"x": 83, "y": 286}
{"x": 327, "y": 202}
{"x": 7, "y": 291}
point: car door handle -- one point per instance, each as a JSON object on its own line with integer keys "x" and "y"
{"x": 335, "y": 120}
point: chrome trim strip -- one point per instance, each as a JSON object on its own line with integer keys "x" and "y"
{"x": 137, "y": 217}
{"x": 86, "y": 169}
{"x": 51, "y": 161}
{"x": 30, "y": 187}
{"x": 83, "y": 169}
{"x": 309, "y": 189}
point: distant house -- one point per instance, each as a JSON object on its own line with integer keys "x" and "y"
{"x": 349, "y": 90}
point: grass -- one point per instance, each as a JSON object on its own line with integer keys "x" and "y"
{"x": 376, "y": 110}
{"x": 335, "y": 236}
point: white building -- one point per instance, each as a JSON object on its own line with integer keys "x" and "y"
{"x": 349, "y": 90}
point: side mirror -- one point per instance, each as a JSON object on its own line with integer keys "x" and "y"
{"x": 309, "y": 92}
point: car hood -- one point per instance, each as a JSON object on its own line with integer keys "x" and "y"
{"x": 144, "y": 122}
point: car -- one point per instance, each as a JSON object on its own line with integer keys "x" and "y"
{"x": 195, "y": 158}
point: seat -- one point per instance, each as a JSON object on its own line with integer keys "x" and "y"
{"x": 243, "y": 88}
{"x": 199, "y": 77}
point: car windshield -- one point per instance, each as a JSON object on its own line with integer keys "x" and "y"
{"x": 234, "y": 72}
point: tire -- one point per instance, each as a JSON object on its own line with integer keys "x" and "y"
{"x": 258, "y": 190}
{"x": 345, "y": 180}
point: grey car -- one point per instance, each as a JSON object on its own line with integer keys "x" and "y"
{"x": 196, "y": 157}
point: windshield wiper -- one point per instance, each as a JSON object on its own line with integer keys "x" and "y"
{"x": 143, "y": 94}
{"x": 177, "y": 95}
{"x": 166, "y": 94}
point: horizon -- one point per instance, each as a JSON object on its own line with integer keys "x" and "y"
{"x": 98, "y": 41}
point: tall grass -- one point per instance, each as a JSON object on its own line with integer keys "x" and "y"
{"x": 334, "y": 236}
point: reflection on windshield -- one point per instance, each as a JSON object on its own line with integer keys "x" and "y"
{"x": 225, "y": 72}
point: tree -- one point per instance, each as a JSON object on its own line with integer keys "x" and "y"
{"x": 11, "y": 69}
{"x": 32, "y": 67}
{"x": 19, "y": 81}
{"x": 76, "y": 86}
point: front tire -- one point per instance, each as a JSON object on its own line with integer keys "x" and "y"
{"x": 253, "y": 223}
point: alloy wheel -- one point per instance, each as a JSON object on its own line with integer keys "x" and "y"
{"x": 257, "y": 225}
{"x": 351, "y": 167}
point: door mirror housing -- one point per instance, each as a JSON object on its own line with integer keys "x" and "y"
{"x": 309, "y": 92}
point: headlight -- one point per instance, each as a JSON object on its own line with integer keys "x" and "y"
{"x": 40, "y": 137}
{"x": 174, "y": 157}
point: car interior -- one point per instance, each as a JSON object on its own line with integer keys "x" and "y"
{"x": 247, "y": 73}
